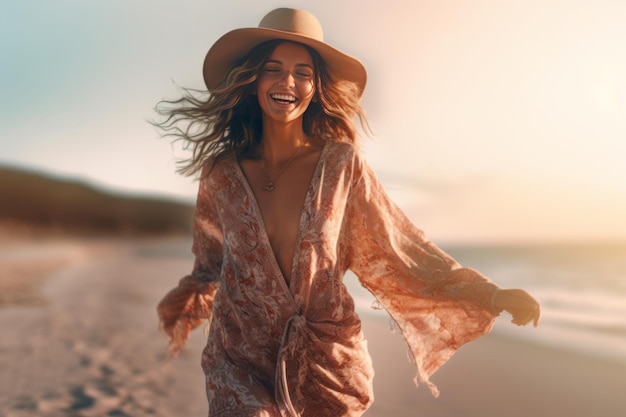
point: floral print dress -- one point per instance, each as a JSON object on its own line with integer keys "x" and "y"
{"x": 287, "y": 350}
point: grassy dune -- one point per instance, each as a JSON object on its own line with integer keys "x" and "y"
{"x": 35, "y": 201}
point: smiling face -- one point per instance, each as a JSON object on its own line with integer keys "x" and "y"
{"x": 286, "y": 84}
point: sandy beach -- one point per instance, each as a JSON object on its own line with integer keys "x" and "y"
{"x": 80, "y": 338}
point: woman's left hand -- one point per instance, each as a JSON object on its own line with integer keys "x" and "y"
{"x": 520, "y": 305}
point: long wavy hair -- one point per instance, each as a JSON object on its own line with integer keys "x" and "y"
{"x": 228, "y": 120}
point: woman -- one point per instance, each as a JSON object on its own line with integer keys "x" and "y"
{"x": 286, "y": 205}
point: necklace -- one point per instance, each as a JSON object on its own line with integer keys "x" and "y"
{"x": 271, "y": 183}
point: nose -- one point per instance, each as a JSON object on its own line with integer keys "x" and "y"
{"x": 288, "y": 79}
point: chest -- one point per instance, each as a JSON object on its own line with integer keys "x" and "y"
{"x": 281, "y": 208}
{"x": 281, "y": 205}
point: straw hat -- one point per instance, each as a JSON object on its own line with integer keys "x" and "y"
{"x": 289, "y": 24}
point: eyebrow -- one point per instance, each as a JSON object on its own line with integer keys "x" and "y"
{"x": 275, "y": 61}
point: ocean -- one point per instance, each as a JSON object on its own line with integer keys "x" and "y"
{"x": 581, "y": 288}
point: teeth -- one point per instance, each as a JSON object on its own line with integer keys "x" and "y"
{"x": 283, "y": 97}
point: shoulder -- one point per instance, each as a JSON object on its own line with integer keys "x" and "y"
{"x": 346, "y": 161}
{"x": 216, "y": 169}
{"x": 344, "y": 154}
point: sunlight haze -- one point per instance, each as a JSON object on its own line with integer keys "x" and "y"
{"x": 493, "y": 120}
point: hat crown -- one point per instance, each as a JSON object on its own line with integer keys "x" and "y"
{"x": 295, "y": 21}
{"x": 285, "y": 24}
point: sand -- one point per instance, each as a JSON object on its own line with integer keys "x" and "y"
{"x": 498, "y": 376}
{"x": 85, "y": 342}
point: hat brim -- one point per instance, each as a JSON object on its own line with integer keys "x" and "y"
{"x": 228, "y": 49}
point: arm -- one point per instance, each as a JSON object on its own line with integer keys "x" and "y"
{"x": 438, "y": 305}
{"x": 189, "y": 304}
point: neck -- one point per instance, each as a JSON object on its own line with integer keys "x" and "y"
{"x": 279, "y": 141}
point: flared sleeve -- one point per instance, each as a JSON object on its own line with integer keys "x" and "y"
{"x": 437, "y": 304}
{"x": 189, "y": 304}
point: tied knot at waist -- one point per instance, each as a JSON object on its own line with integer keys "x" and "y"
{"x": 299, "y": 345}
{"x": 297, "y": 325}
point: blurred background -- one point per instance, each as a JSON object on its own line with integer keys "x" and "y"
{"x": 499, "y": 128}
{"x": 494, "y": 120}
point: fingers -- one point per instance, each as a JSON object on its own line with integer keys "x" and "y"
{"x": 521, "y": 306}
{"x": 522, "y": 317}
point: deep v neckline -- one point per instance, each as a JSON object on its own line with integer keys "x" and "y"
{"x": 311, "y": 191}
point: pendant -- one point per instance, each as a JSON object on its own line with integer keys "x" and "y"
{"x": 269, "y": 187}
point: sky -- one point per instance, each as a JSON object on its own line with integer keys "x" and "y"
{"x": 493, "y": 120}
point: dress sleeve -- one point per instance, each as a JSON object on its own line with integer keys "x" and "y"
{"x": 186, "y": 306}
{"x": 438, "y": 305}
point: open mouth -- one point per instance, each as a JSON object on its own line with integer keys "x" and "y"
{"x": 283, "y": 98}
